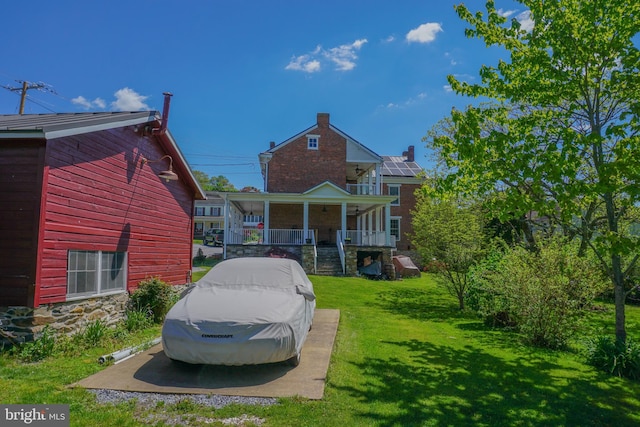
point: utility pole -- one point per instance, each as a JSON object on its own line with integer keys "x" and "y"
{"x": 25, "y": 87}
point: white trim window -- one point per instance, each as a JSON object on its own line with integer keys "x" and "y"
{"x": 394, "y": 190}
{"x": 199, "y": 211}
{"x": 95, "y": 273}
{"x": 394, "y": 229}
{"x": 313, "y": 141}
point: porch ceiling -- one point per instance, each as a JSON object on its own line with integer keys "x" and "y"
{"x": 254, "y": 202}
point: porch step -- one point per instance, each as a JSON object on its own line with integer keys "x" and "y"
{"x": 328, "y": 261}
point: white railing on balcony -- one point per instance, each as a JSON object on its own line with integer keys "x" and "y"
{"x": 361, "y": 189}
{"x": 366, "y": 238}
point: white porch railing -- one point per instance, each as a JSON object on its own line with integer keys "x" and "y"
{"x": 341, "y": 252}
{"x": 254, "y": 236}
{"x": 366, "y": 238}
{"x": 361, "y": 189}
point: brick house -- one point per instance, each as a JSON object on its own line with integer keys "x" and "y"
{"x": 328, "y": 200}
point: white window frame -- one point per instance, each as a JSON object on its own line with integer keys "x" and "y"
{"x": 399, "y": 219}
{"x": 313, "y": 142}
{"x": 396, "y": 186}
{"x": 94, "y": 270}
{"x": 200, "y": 211}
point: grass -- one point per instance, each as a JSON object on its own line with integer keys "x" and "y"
{"x": 404, "y": 356}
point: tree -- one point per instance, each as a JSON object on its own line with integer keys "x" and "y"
{"x": 221, "y": 183}
{"x": 215, "y": 183}
{"x": 562, "y": 136}
{"x": 449, "y": 234}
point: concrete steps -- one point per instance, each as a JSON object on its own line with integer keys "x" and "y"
{"x": 328, "y": 261}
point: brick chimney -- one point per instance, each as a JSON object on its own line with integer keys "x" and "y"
{"x": 323, "y": 119}
{"x": 410, "y": 154}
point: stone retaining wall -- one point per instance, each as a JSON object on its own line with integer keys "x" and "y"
{"x": 24, "y": 324}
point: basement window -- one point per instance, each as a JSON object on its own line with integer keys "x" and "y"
{"x": 312, "y": 142}
{"x": 92, "y": 273}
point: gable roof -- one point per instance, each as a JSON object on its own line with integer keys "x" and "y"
{"x": 353, "y": 146}
{"x": 58, "y": 125}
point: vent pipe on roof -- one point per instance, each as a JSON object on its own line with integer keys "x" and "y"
{"x": 165, "y": 114}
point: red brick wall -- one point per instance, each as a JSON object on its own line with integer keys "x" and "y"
{"x": 294, "y": 168}
{"x": 407, "y": 204}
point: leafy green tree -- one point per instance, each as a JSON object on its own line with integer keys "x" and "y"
{"x": 221, "y": 183}
{"x": 450, "y": 235}
{"x": 562, "y": 136}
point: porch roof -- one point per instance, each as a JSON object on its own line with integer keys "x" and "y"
{"x": 324, "y": 193}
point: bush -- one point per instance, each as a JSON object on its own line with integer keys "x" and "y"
{"x": 617, "y": 358}
{"x": 543, "y": 294}
{"x": 94, "y": 332}
{"x": 154, "y": 297}
{"x": 136, "y": 320}
{"x": 38, "y": 349}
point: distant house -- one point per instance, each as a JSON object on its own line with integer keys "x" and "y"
{"x": 209, "y": 214}
{"x": 328, "y": 200}
{"x": 90, "y": 205}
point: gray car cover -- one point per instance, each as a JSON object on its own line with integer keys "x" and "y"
{"x": 243, "y": 311}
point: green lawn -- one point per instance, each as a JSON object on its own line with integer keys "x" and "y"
{"x": 404, "y": 356}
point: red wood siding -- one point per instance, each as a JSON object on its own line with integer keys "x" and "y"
{"x": 101, "y": 197}
{"x": 294, "y": 168}
{"x": 20, "y": 189}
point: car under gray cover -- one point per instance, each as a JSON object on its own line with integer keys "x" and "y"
{"x": 244, "y": 311}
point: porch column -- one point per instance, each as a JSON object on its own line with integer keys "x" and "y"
{"x": 344, "y": 220}
{"x": 265, "y": 231}
{"x": 369, "y": 226}
{"x": 378, "y": 179}
{"x": 387, "y": 223}
{"x": 305, "y": 220}
{"x": 225, "y": 226}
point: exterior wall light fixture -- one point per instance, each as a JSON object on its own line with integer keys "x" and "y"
{"x": 167, "y": 175}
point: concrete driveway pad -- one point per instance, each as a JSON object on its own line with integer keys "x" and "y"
{"x": 151, "y": 371}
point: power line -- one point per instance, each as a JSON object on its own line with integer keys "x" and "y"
{"x": 39, "y": 86}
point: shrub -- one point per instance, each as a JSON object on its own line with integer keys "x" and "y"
{"x": 543, "y": 294}
{"x": 153, "y": 296}
{"x": 94, "y": 332}
{"x": 617, "y": 358}
{"x": 136, "y": 320}
{"x": 39, "y": 349}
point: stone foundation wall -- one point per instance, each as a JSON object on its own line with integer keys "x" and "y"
{"x": 24, "y": 324}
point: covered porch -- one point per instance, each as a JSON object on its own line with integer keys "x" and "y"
{"x": 324, "y": 216}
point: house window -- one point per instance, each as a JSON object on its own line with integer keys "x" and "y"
{"x": 200, "y": 211}
{"x": 95, "y": 272}
{"x": 198, "y": 228}
{"x": 395, "y": 228}
{"x": 216, "y": 211}
{"x": 312, "y": 142}
{"x": 394, "y": 190}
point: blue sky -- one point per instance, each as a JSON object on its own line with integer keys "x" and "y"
{"x": 247, "y": 72}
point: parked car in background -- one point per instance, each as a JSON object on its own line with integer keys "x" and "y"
{"x": 213, "y": 237}
{"x": 244, "y": 311}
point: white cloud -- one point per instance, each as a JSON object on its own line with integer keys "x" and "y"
{"x": 452, "y": 61}
{"x": 407, "y": 103}
{"x": 447, "y": 88}
{"x": 129, "y": 100}
{"x": 526, "y": 23}
{"x": 425, "y": 33}
{"x": 344, "y": 57}
{"x": 506, "y": 13}
{"x": 87, "y": 104}
{"x": 389, "y": 39}
{"x": 303, "y": 63}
